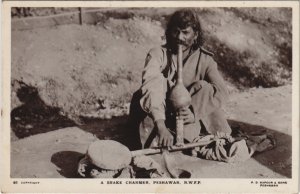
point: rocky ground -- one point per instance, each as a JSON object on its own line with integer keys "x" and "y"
{"x": 72, "y": 84}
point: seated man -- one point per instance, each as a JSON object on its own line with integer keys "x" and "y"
{"x": 152, "y": 119}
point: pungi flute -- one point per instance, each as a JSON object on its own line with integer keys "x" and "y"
{"x": 180, "y": 98}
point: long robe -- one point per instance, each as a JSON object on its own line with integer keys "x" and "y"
{"x": 200, "y": 77}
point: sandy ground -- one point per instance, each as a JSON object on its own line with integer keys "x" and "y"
{"x": 77, "y": 67}
{"x": 55, "y": 154}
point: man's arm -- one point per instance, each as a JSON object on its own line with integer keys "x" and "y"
{"x": 154, "y": 88}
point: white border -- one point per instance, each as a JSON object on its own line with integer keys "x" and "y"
{"x": 93, "y": 185}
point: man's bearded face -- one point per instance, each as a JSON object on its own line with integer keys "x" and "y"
{"x": 186, "y": 37}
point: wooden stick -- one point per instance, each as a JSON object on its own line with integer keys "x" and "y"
{"x": 151, "y": 151}
{"x": 80, "y": 15}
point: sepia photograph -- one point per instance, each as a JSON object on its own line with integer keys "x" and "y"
{"x": 124, "y": 94}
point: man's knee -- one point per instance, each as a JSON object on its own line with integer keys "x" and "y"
{"x": 217, "y": 123}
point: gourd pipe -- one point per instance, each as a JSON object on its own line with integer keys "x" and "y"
{"x": 179, "y": 97}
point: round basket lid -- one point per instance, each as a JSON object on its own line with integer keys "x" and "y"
{"x": 109, "y": 154}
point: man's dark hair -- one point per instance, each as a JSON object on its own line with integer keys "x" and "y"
{"x": 182, "y": 19}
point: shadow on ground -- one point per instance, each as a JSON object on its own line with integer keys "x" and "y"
{"x": 278, "y": 159}
{"x": 67, "y": 162}
{"x": 34, "y": 116}
{"x": 116, "y": 128}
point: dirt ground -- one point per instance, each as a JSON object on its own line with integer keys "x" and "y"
{"x": 72, "y": 84}
{"x": 55, "y": 154}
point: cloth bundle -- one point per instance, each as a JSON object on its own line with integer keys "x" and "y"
{"x": 223, "y": 148}
{"x": 88, "y": 170}
{"x": 230, "y": 149}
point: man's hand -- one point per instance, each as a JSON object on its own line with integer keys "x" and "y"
{"x": 165, "y": 137}
{"x": 186, "y": 115}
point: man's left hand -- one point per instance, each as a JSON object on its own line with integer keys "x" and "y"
{"x": 186, "y": 115}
